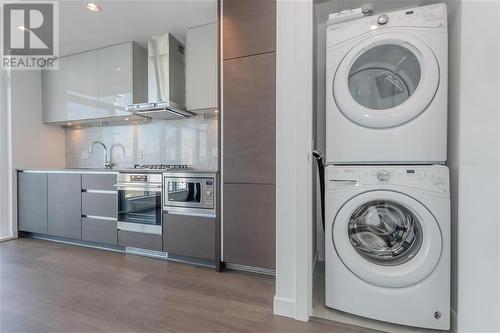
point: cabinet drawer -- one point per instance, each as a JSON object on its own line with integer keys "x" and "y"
{"x": 102, "y": 182}
{"x": 99, "y": 204}
{"x": 190, "y": 236}
{"x": 139, "y": 240}
{"x": 99, "y": 231}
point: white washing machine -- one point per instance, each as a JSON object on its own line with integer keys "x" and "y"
{"x": 386, "y": 87}
{"x": 388, "y": 243}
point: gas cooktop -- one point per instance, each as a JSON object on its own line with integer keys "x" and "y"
{"x": 161, "y": 166}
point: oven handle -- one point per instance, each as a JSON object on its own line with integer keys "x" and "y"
{"x": 138, "y": 187}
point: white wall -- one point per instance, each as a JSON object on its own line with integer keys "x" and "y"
{"x": 474, "y": 160}
{"x": 34, "y": 145}
{"x": 5, "y": 202}
{"x": 293, "y": 159}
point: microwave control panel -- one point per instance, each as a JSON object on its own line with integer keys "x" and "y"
{"x": 209, "y": 194}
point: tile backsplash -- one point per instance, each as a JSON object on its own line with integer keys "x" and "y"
{"x": 190, "y": 141}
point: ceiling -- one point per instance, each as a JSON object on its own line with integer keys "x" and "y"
{"x": 119, "y": 21}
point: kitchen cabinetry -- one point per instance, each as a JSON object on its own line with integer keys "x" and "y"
{"x": 55, "y": 97}
{"x": 99, "y": 231}
{"x": 99, "y": 209}
{"x": 96, "y": 84}
{"x": 250, "y": 119}
{"x": 81, "y": 86}
{"x": 32, "y": 202}
{"x": 99, "y": 204}
{"x": 201, "y": 68}
{"x": 191, "y": 236}
{"x": 249, "y": 28}
{"x": 249, "y": 131}
{"x": 249, "y": 225}
{"x": 64, "y": 205}
{"x": 100, "y": 182}
{"x": 139, "y": 240}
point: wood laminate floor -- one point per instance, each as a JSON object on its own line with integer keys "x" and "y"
{"x": 53, "y": 287}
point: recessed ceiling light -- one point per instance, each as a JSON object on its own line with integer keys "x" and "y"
{"x": 69, "y": 124}
{"x": 23, "y": 28}
{"x": 126, "y": 119}
{"x": 94, "y": 7}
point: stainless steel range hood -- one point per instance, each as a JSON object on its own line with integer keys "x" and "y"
{"x": 166, "y": 80}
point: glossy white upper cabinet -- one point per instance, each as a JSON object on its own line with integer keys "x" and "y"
{"x": 201, "y": 67}
{"x": 96, "y": 84}
{"x": 82, "y": 86}
{"x": 54, "y": 97}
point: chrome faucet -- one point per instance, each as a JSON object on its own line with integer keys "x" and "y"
{"x": 107, "y": 164}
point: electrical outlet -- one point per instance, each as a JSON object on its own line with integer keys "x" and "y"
{"x": 84, "y": 155}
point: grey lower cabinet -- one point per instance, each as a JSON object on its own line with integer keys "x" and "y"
{"x": 139, "y": 240}
{"x": 97, "y": 181}
{"x": 64, "y": 205}
{"x": 99, "y": 208}
{"x": 32, "y": 202}
{"x": 249, "y": 225}
{"x": 191, "y": 236}
{"x": 99, "y": 204}
{"x": 99, "y": 231}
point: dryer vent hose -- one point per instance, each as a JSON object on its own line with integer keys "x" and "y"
{"x": 320, "y": 159}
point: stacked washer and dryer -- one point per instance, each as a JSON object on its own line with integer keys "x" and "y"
{"x": 387, "y": 189}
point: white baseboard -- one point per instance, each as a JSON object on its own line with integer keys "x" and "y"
{"x": 7, "y": 238}
{"x": 284, "y": 307}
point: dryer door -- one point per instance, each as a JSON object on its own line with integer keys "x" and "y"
{"x": 387, "y": 238}
{"x": 386, "y": 80}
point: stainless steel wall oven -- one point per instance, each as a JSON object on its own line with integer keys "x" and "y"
{"x": 140, "y": 202}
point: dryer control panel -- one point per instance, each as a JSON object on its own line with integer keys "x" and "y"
{"x": 432, "y": 16}
{"x": 434, "y": 178}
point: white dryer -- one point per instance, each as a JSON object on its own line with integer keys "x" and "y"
{"x": 388, "y": 243}
{"x": 386, "y": 87}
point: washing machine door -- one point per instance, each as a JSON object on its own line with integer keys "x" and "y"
{"x": 386, "y": 80}
{"x": 387, "y": 238}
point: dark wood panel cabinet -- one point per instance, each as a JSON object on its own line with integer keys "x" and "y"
{"x": 191, "y": 236}
{"x": 64, "y": 214}
{"x": 250, "y": 119}
{"x": 249, "y": 27}
{"x": 249, "y": 225}
{"x": 32, "y": 202}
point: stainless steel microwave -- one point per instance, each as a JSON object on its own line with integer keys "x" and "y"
{"x": 189, "y": 192}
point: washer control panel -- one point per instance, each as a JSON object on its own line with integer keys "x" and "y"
{"x": 433, "y": 178}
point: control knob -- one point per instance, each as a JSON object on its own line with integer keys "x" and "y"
{"x": 383, "y": 175}
{"x": 383, "y": 19}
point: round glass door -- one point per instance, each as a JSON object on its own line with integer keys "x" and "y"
{"x": 385, "y": 233}
{"x": 384, "y": 76}
{"x": 386, "y": 80}
{"x": 387, "y": 238}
